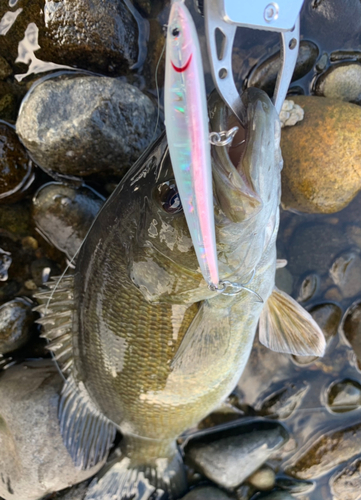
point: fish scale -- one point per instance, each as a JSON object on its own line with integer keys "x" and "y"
{"x": 154, "y": 349}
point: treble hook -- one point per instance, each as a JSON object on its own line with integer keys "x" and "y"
{"x": 235, "y": 288}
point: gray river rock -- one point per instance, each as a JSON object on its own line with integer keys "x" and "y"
{"x": 33, "y": 459}
{"x": 342, "y": 81}
{"x": 16, "y": 319}
{"x": 264, "y": 76}
{"x": 346, "y": 485}
{"x": 346, "y": 273}
{"x": 351, "y": 329}
{"x": 344, "y": 396}
{"x": 327, "y": 452}
{"x": 206, "y": 492}
{"x": 79, "y": 125}
{"x": 90, "y": 34}
{"x": 281, "y": 402}
{"x": 228, "y": 457}
{"x": 64, "y": 214}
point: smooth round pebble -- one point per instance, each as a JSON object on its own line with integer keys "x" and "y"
{"x": 263, "y": 479}
{"x": 346, "y": 273}
{"x": 322, "y": 156}
{"x": 344, "y": 396}
{"x": 351, "y": 328}
{"x": 342, "y": 81}
{"x": 16, "y": 320}
{"x": 308, "y": 288}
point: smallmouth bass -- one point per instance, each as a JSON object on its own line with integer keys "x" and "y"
{"x": 146, "y": 346}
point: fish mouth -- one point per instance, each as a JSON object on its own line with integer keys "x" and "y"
{"x": 233, "y": 183}
{"x": 183, "y": 68}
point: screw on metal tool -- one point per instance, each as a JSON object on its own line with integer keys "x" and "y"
{"x": 222, "y": 17}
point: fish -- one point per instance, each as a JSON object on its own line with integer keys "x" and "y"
{"x": 145, "y": 346}
{"x": 186, "y": 121}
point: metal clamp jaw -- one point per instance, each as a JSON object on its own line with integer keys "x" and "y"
{"x": 222, "y": 17}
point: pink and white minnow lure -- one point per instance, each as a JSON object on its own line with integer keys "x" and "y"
{"x": 186, "y": 122}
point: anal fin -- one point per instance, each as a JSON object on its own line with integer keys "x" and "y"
{"x": 287, "y": 327}
{"x": 87, "y": 434}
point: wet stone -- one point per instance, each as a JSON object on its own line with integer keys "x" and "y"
{"x": 42, "y": 270}
{"x": 313, "y": 248}
{"x": 322, "y": 63}
{"x": 206, "y": 492}
{"x": 346, "y": 485}
{"x": 263, "y": 479}
{"x": 344, "y": 396}
{"x": 329, "y": 451}
{"x": 281, "y": 402}
{"x": 276, "y": 495}
{"x": 333, "y": 23}
{"x": 16, "y": 322}
{"x": 342, "y": 81}
{"x": 264, "y": 76}
{"x": 353, "y": 234}
{"x": 351, "y": 328}
{"x": 294, "y": 485}
{"x": 328, "y": 135}
{"x": 16, "y": 168}
{"x": 346, "y": 273}
{"x": 90, "y": 34}
{"x": 328, "y": 317}
{"x": 308, "y": 288}
{"x": 63, "y": 214}
{"x": 228, "y": 457}
{"x": 79, "y": 125}
{"x": 5, "y": 68}
{"x": 5, "y": 263}
{"x": 77, "y": 492}
{"x": 284, "y": 280}
{"x": 244, "y": 492}
{"x": 33, "y": 459}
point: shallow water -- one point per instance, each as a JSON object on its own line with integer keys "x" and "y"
{"x": 266, "y": 372}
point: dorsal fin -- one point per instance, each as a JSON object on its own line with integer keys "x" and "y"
{"x": 56, "y": 308}
{"x": 87, "y": 434}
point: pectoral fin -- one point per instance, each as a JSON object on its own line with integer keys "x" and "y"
{"x": 286, "y": 327}
{"x": 206, "y": 341}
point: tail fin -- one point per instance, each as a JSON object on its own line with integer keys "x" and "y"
{"x": 125, "y": 481}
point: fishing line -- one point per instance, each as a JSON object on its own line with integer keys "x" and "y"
{"x": 157, "y": 88}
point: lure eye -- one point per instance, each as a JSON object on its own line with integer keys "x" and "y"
{"x": 168, "y": 197}
{"x": 175, "y": 32}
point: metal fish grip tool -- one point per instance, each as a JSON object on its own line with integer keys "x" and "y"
{"x": 222, "y": 17}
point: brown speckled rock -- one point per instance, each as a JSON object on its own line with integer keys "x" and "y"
{"x": 322, "y": 156}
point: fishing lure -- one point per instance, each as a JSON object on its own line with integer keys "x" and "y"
{"x": 186, "y": 122}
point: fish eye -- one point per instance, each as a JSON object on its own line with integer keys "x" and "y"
{"x": 168, "y": 197}
{"x": 175, "y": 32}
